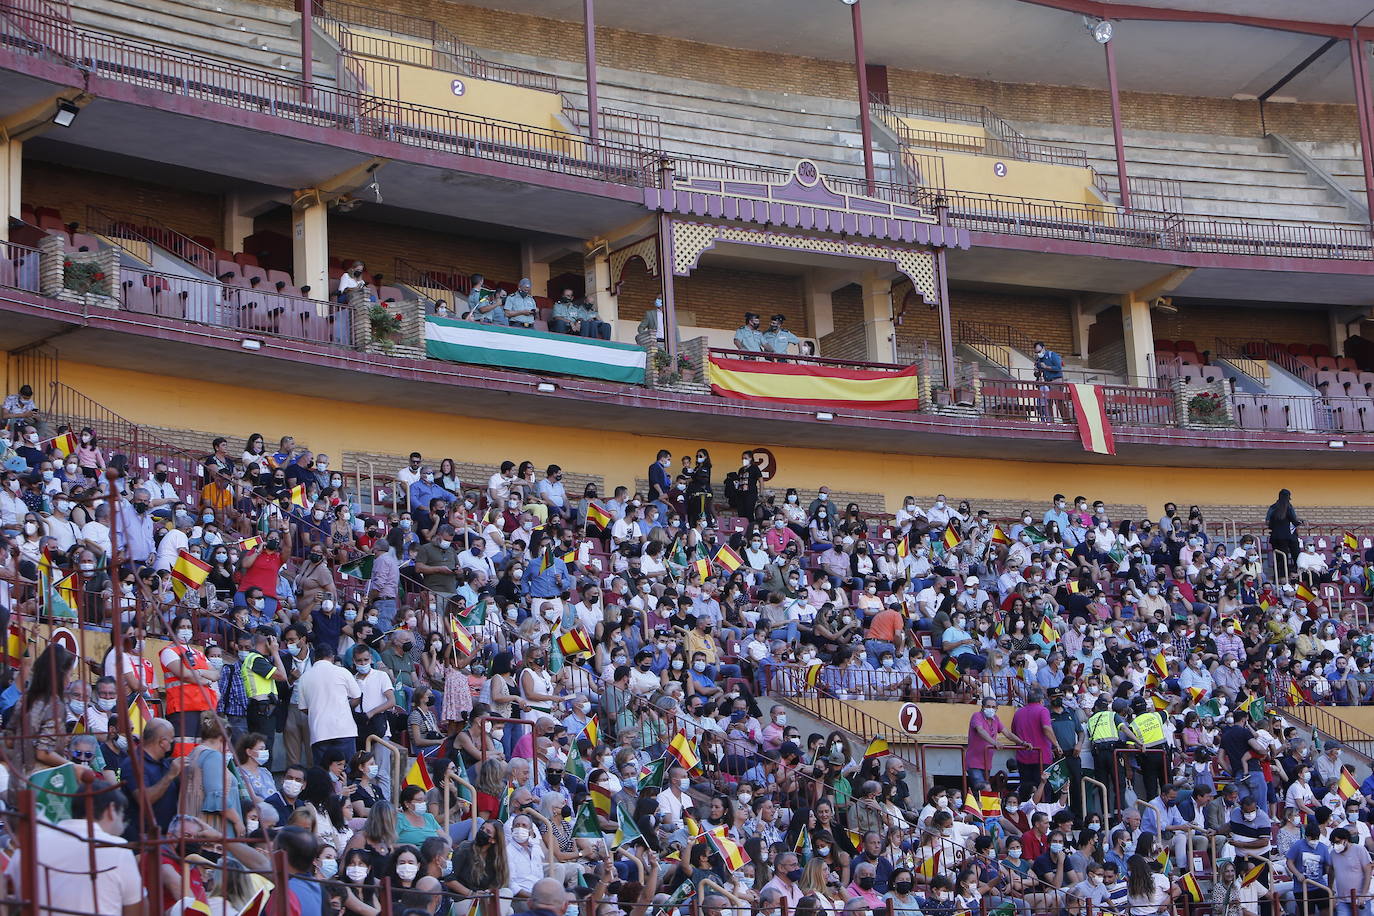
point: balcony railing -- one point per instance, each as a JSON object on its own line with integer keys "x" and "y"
{"x": 145, "y": 228}
{"x": 19, "y": 267}
{"x": 1050, "y": 402}
{"x": 1007, "y": 141}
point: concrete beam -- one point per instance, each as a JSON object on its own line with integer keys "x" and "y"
{"x": 1137, "y": 326}
{"x": 342, "y": 184}
{"x": 37, "y": 118}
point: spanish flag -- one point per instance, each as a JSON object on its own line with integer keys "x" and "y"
{"x": 999, "y": 536}
{"x": 462, "y": 639}
{"x": 574, "y": 641}
{"x": 258, "y": 905}
{"x": 139, "y": 716}
{"x": 1254, "y": 874}
{"x": 815, "y": 386}
{"x": 1190, "y": 887}
{"x": 298, "y": 496}
{"x": 1161, "y": 666}
{"x": 189, "y": 573}
{"x": 813, "y": 675}
{"x": 1295, "y": 694}
{"x": 14, "y": 645}
{"x": 929, "y": 674}
{"x": 598, "y": 516}
{"x": 593, "y": 731}
{"x": 927, "y": 866}
{"x": 1305, "y": 594}
{"x": 972, "y": 805}
{"x": 1349, "y": 540}
{"x": 685, "y": 751}
{"x": 730, "y": 851}
{"x": 902, "y": 549}
{"x": 601, "y": 799}
{"x": 65, "y": 443}
{"x": 418, "y": 775}
{"x": 1047, "y": 631}
{"x": 1195, "y": 694}
{"x": 252, "y": 543}
{"x": 1347, "y": 786}
{"x": 1094, "y": 426}
{"x": 991, "y": 803}
{"x": 1159, "y": 702}
{"x": 728, "y": 559}
{"x": 950, "y": 538}
{"x": 877, "y": 748}
{"x": 703, "y": 568}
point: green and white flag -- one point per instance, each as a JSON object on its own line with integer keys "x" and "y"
{"x": 53, "y": 791}
{"x": 360, "y": 568}
{"x": 627, "y": 831}
{"x": 587, "y": 827}
{"x": 538, "y": 351}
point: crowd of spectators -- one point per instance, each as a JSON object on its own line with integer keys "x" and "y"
{"x": 498, "y": 689}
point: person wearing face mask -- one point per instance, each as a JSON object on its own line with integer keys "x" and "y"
{"x": 191, "y": 683}
{"x": 261, "y": 570}
{"x": 212, "y": 757}
{"x": 525, "y": 857}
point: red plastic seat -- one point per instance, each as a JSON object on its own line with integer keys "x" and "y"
{"x": 246, "y": 259}
{"x": 1299, "y": 349}
{"x": 1162, "y": 344}
{"x": 1182, "y": 345}
{"x": 1325, "y": 363}
{"x": 1318, "y": 350}
{"x": 1346, "y": 364}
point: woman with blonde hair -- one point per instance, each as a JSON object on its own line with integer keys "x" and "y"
{"x": 378, "y": 836}
{"x": 816, "y": 882}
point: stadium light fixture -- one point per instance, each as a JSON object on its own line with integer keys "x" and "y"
{"x": 1335, "y": 443}
{"x": 824, "y": 415}
{"x": 546, "y": 387}
{"x": 849, "y": 2}
{"x": 250, "y": 343}
{"x": 1100, "y": 29}
{"x": 66, "y": 113}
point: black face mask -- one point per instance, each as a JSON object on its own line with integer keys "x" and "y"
{"x": 555, "y": 779}
{"x": 902, "y": 887}
{"x": 483, "y": 839}
{"x": 160, "y": 476}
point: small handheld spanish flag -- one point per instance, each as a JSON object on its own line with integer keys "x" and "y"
{"x": 593, "y": 731}
{"x": 1347, "y": 786}
{"x": 248, "y": 544}
{"x": 972, "y": 805}
{"x": 574, "y": 641}
{"x": 928, "y": 866}
{"x": 877, "y": 748}
{"x": 298, "y": 496}
{"x": 730, "y": 851}
{"x": 1195, "y": 694}
{"x": 598, "y": 516}
{"x": 685, "y": 752}
{"x": 1161, "y": 665}
{"x": 950, "y": 538}
{"x": 929, "y": 673}
{"x": 728, "y": 559}
{"x": 65, "y": 443}
{"x": 462, "y": 639}
{"x": 189, "y": 573}
{"x": 813, "y": 675}
{"x": 1190, "y": 887}
{"x": 999, "y": 536}
{"x": 1159, "y": 702}
{"x": 1295, "y": 694}
{"x": 902, "y": 549}
{"x": 703, "y": 568}
{"x": 1305, "y": 594}
{"x": 418, "y": 775}
{"x": 1350, "y": 541}
{"x": 991, "y": 804}
{"x": 950, "y": 667}
{"x": 1254, "y": 874}
{"x": 1047, "y": 631}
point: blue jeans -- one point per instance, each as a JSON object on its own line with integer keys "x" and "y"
{"x": 386, "y": 613}
{"x": 790, "y": 632}
{"x": 876, "y": 647}
{"x": 976, "y": 778}
{"x": 1253, "y": 785}
{"x": 346, "y": 746}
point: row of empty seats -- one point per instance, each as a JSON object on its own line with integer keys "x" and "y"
{"x": 1333, "y": 414}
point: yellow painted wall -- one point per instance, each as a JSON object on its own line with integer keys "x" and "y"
{"x": 335, "y": 426}
{"x": 420, "y": 84}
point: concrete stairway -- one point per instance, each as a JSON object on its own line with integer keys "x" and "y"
{"x": 1341, "y": 160}
{"x": 726, "y": 122}
{"x": 1222, "y": 178}
{"x": 236, "y": 31}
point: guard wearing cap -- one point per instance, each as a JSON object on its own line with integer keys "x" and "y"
{"x": 1104, "y": 728}
{"x": 777, "y": 339}
{"x": 749, "y": 338}
{"x": 1150, "y": 737}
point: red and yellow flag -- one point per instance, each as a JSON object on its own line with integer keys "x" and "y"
{"x": 1350, "y": 541}
{"x": 703, "y": 568}
{"x": 418, "y": 775}
{"x": 189, "y": 573}
{"x": 999, "y": 536}
{"x": 1161, "y": 665}
{"x": 902, "y": 549}
{"x": 815, "y": 386}
{"x": 598, "y": 516}
{"x": 730, "y": 851}
{"x": 1305, "y": 593}
{"x": 593, "y": 731}
{"x": 14, "y": 645}
{"x": 928, "y": 866}
{"x": 65, "y": 443}
{"x": 574, "y": 641}
{"x": 298, "y": 496}
{"x": 1295, "y": 694}
{"x": 1346, "y": 786}
{"x": 684, "y": 750}
{"x": 728, "y": 559}
{"x": 991, "y": 803}
{"x": 1190, "y": 887}
{"x": 929, "y": 673}
{"x": 462, "y": 639}
{"x": 951, "y": 538}
{"x": 1047, "y": 631}
{"x": 813, "y": 675}
{"x": 877, "y": 748}
{"x": 1094, "y": 426}
{"x": 601, "y": 799}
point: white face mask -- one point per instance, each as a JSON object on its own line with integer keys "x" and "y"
{"x": 407, "y": 871}
{"x": 356, "y": 873}
{"x": 519, "y": 834}
{"x": 291, "y": 787}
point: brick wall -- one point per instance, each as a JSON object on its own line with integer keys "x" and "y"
{"x": 379, "y": 244}
{"x": 1204, "y": 323}
{"x": 1039, "y": 317}
{"x": 720, "y": 296}
{"x": 70, "y": 190}
{"x": 750, "y": 69}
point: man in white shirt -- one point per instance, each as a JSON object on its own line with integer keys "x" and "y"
{"x": 377, "y": 701}
{"x": 161, "y": 493}
{"x": 498, "y": 485}
{"x": 327, "y": 692}
{"x": 96, "y": 534}
{"x": 524, "y": 856}
{"x": 476, "y": 560}
{"x": 68, "y": 880}
{"x": 673, "y": 802}
{"x": 172, "y": 543}
{"x": 59, "y": 525}
{"x": 409, "y": 474}
{"x": 940, "y": 513}
{"x": 929, "y": 598}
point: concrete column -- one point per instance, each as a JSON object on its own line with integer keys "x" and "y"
{"x": 818, "y": 306}
{"x": 238, "y": 225}
{"x": 596, "y": 277}
{"x": 310, "y": 248}
{"x": 11, "y": 171}
{"x": 1139, "y": 338}
{"x": 1083, "y": 319}
{"x": 537, "y": 271}
{"x": 879, "y": 329}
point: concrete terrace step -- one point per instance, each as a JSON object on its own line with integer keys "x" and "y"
{"x": 1079, "y": 133}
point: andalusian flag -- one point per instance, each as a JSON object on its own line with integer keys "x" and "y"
{"x": 991, "y": 803}
{"x": 728, "y": 559}
{"x": 730, "y": 851}
{"x": 1047, "y": 631}
{"x": 626, "y": 831}
{"x": 703, "y": 568}
{"x": 474, "y": 616}
{"x": 653, "y": 773}
{"x": 1161, "y": 665}
{"x": 298, "y": 496}
{"x": 1305, "y": 594}
{"x": 1094, "y": 426}
{"x": 593, "y": 731}
{"x": 462, "y": 639}
{"x": 999, "y": 536}
{"x": 574, "y": 641}
{"x": 574, "y": 764}
{"x": 1035, "y": 534}
{"x": 1347, "y": 786}
{"x": 599, "y": 516}
{"x": 65, "y": 443}
{"x": 1350, "y": 541}
{"x": 360, "y": 568}
{"x": 929, "y": 674}
{"x": 189, "y": 573}
{"x": 877, "y": 748}
{"x": 814, "y": 386}
{"x": 601, "y": 799}
{"x": 418, "y": 775}
{"x": 587, "y": 826}
{"x": 685, "y": 752}
{"x": 1190, "y": 887}
{"x": 950, "y": 538}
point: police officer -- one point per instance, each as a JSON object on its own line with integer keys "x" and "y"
{"x": 1104, "y": 738}
{"x": 262, "y": 670}
{"x": 1148, "y": 726}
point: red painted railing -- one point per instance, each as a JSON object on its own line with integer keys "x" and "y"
{"x": 1050, "y": 402}
{"x": 809, "y": 360}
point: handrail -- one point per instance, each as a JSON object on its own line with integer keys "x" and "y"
{"x": 126, "y": 224}
{"x": 807, "y": 360}
{"x": 398, "y": 754}
{"x": 1333, "y": 726}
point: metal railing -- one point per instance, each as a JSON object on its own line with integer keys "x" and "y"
{"x": 1332, "y": 726}
{"x": 1275, "y": 239}
{"x": 807, "y": 360}
{"x": 727, "y": 170}
{"x": 145, "y": 228}
{"x": 1050, "y": 402}
{"x": 1006, "y": 141}
{"x": 167, "y": 70}
{"x": 447, "y": 50}
{"x": 19, "y": 267}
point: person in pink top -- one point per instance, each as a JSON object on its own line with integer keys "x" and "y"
{"x": 985, "y": 729}
{"x": 1031, "y": 725}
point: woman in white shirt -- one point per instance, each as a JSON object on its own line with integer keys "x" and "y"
{"x": 1300, "y": 795}
{"x": 493, "y": 535}
{"x": 651, "y": 563}
{"x": 1147, "y": 892}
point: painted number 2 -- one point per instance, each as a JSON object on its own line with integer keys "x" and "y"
{"x": 999, "y": 169}
{"x": 909, "y": 718}
{"x": 459, "y": 87}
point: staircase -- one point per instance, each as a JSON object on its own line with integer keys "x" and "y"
{"x": 235, "y": 31}
{"x": 751, "y": 127}
{"x": 1341, "y": 160}
{"x": 1221, "y": 178}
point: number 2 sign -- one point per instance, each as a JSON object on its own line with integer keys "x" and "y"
{"x": 909, "y": 718}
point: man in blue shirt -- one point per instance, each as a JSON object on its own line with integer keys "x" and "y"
{"x": 1049, "y": 370}
{"x": 749, "y": 337}
{"x": 1057, "y": 513}
{"x": 550, "y": 581}
{"x": 301, "y": 848}
{"x": 1309, "y": 862}
{"x": 552, "y": 493}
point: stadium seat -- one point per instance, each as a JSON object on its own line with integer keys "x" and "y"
{"x": 1298, "y": 349}
{"x": 1318, "y": 350}
{"x": 1327, "y": 381}
{"x": 1346, "y": 364}
{"x": 1350, "y": 381}
{"x": 1325, "y": 363}
{"x": 1186, "y": 346}
{"x": 279, "y": 276}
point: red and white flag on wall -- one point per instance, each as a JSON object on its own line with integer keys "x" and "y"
{"x": 1094, "y": 428}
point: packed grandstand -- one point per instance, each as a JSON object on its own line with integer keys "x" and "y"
{"x": 444, "y": 476}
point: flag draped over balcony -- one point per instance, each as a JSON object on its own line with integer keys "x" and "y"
{"x": 764, "y": 381}
{"x": 1094, "y": 427}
